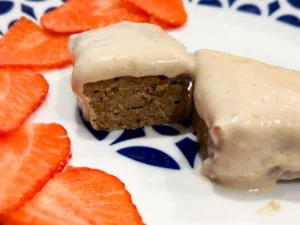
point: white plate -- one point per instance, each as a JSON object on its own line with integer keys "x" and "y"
{"x": 171, "y": 191}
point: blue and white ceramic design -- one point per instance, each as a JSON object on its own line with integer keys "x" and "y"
{"x": 160, "y": 165}
{"x": 149, "y": 155}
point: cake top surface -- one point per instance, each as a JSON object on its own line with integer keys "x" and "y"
{"x": 252, "y": 111}
{"x": 127, "y": 49}
{"x": 234, "y": 88}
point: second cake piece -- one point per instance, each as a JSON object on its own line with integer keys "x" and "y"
{"x": 246, "y": 116}
{"x": 130, "y": 75}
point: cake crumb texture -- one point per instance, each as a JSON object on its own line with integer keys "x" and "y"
{"x": 129, "y": 102}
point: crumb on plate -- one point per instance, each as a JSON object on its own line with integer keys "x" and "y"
{"x": 273, "y": 205}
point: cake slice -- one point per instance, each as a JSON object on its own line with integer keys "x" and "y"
{"x": 247, "y": 117}
{"x": 130, "y": 75}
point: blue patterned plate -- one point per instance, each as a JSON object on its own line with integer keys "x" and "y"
{"x": 159, "y": 164}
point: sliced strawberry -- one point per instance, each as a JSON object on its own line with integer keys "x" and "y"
{"x": 29, "y": 157}
{"x": 82, "y": 15}
{"x": 79, "y": 196}
{"x": 170, "y": 13}
{"x": 21, "y": 92}
{"x": 28, "y": 45}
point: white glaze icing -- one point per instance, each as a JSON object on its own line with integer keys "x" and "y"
{"x": 125, "y": 49}
{"x": 252, "y": 111}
